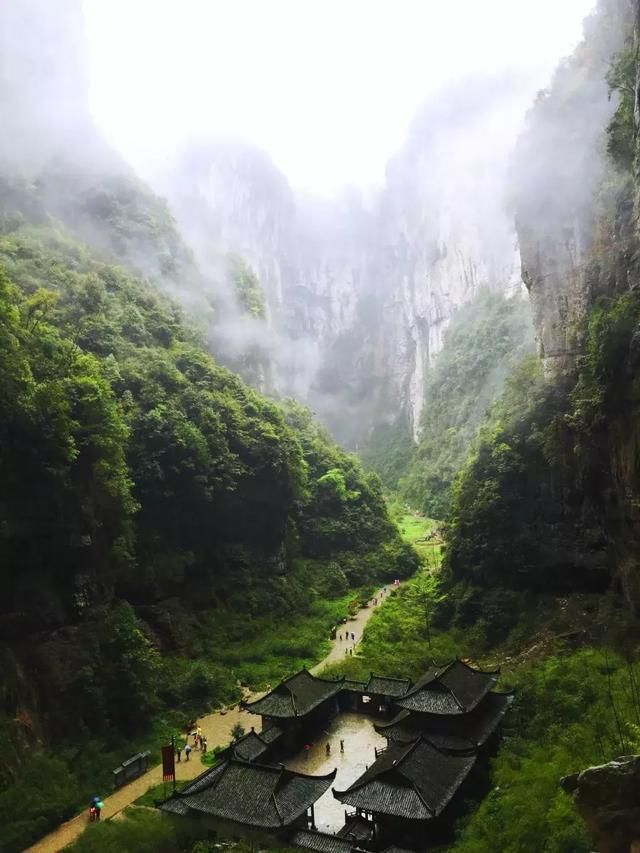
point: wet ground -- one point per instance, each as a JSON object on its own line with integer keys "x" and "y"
{"x": 360, "y": 739}
{"x": 217, "y": 728}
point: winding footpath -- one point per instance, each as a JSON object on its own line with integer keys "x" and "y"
{"x": 216, "y": 726}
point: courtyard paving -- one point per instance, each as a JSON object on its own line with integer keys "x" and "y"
{"x": 360, "y": 740}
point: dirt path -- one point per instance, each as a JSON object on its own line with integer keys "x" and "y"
{"x": 217, "y": 729}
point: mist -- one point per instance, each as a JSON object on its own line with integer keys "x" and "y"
{"x": 355, "y": 156}
{"x": 328, "y": 89}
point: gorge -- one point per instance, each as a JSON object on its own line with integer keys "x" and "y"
{"x": 190, "y": 359}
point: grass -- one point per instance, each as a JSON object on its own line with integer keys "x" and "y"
{"x": 415, "y": 528}
{"x": 575, "y": 705}
{"x": 160, "y": 792}
{"x": 227, "y": 651}
{"x": 146, "y": 831}
{"x": 257, "y": 652}
{"x": 233, "y": 650}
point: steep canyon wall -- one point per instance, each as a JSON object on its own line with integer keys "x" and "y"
{"x": 360, "y": 289}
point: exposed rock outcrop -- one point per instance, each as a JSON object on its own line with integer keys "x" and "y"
{"x": 570, "y": 219}
{"x": 360, "y": 290}
{"x": 608, "y": 799}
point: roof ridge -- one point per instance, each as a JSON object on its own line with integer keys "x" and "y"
{"x": 478, "y": 671}
{"x": 276, "y": 787}
{"x": 388, "y": 677}
{"x": 257, "y": 764}
{"x": 414, "y": 745}
{"x": 452, "y": 692}
{"x": 293, "y": 699}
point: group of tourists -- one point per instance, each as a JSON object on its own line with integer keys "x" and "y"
{"x": 95, "y": 808}
{"x": 199, "y": 742}
{"x": 348, "y": 634}
{"x": 327, "y": 748}
{"x": 383, "y": 592}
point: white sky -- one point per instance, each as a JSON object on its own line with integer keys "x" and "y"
{"x": 327, "y": 87}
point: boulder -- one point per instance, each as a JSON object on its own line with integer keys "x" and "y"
{"x": 608, "y": 799}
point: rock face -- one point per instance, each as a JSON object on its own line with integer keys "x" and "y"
{"x": 566, "y": 194}
{"x": 360, "y": 290}
{"x": 608, "y": 799}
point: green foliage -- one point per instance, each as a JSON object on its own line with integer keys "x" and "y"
{"x": 142, "y": 830}
{"x": 621, "y": 132}
{"x": 246, "y": 287}
{"x": 159, "y": 792}
{"x": 485, "y": 339}
{"x": 237, "y": 731}
{"x": 165, "y": 531}
{"x": 535, "y": 507}
{"x": 389, "y": 451}
{"x": 572, "y": 711}
{"x": 45, "y": 794}
{"x": 573, "y": 708}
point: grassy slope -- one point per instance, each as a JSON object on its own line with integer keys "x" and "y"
{"x": 574, "y": 706}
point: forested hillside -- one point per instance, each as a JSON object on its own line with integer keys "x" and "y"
{"x": 144, "y": 490}
{"x": 548, "y": 498}
{"x": 170, "y": 535}
{"x": 486, "y": 338}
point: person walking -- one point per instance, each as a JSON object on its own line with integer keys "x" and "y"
{"x": 204, "y": 744}
{"x": 340, "y": 637}
{"x": 327, "y": 749}
{"x": 95, "y": 808}
{"x": 187, "y": 751}
{"x": 341, "y": 746}
{"x": 179, "y": 752}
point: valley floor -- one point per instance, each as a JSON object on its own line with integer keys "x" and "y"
{"x": 217, "y": 727}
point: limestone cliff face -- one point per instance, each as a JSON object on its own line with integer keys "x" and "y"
{"x": 567, "y": 194}
{"x": 360, "y": 290}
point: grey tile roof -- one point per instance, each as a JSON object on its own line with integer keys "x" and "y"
{"x": 259, "y": 795}
{"x": 254, "y": 744}
{"x": 175, "y": 806}
{"x": 321, "y": 841}
{"x": 468, "y": 685}
{"x": 295, "y": 696}
{"x": 357, "y": 686}
{"x": 415, "y": 781}
{"x": 356, "y": 829}
{"x": 450, "y": 732}
{"x": 384, "y": 686}
{"x": 271, "y": 734}
{"x": 249, "y": 746}
{"x": 453, "y": 689}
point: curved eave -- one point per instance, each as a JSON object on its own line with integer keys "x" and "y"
{"x": 327, "y": 777}
{"x": 342, "y": 797}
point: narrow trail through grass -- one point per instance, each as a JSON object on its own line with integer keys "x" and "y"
{"x": 216, "y": 726}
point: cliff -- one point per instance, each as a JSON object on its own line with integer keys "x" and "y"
{"x": 360, "y": 290}
{"x": 553, "y": 484}
{"x": 570, "y": 199}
